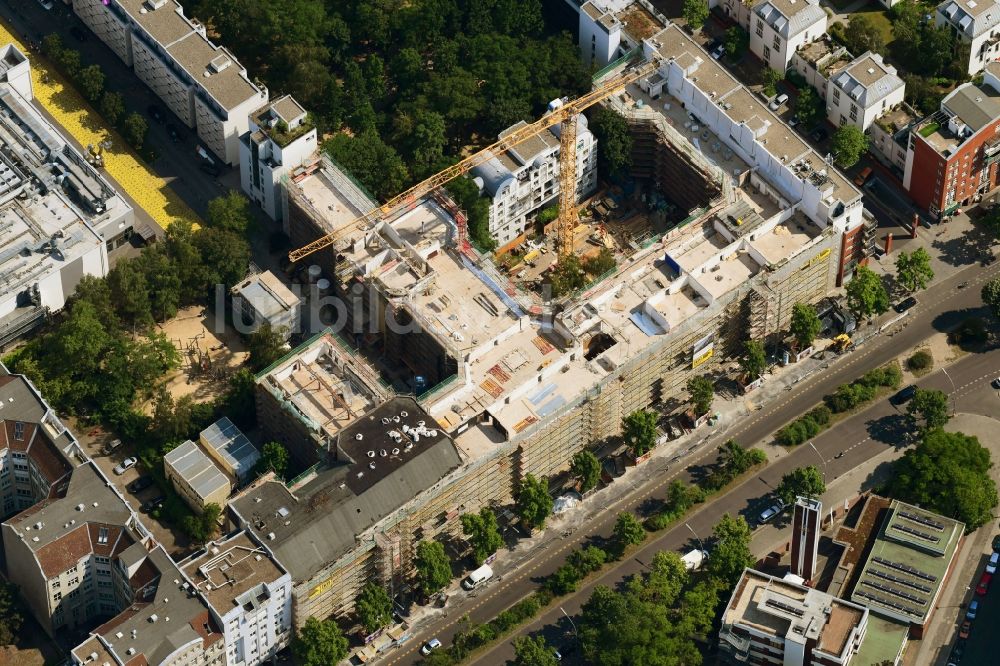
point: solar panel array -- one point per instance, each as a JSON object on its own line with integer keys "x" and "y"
{"x": 902, "y": 567}
{"x": 900, "y": 581}
{"x": 891, "y": 604}
{"x": 893, "y": 591}
{"x": 923, "y": 520}
{"x": 916, "y": 533}
{"x": 785, "y": 607}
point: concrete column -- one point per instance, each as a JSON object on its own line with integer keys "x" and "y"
{"x": 888, "y": 242}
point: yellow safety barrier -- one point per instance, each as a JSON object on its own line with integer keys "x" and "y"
{"x": 79, "y": 120}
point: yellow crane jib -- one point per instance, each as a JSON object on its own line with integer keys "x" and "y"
{"x": 565, "y": 114}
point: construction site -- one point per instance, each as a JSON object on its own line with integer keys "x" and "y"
{"x": 731, "y": 221}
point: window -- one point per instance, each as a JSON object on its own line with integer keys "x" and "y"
{"x": 102, "y": 535}
{"x": 767, "y": 53}
{"x": 75, "y": 580}
{"x": 854, "y": 112}
{"x": 57, "y": 596}
{"x": 760, "y": 28}
{"x": 836, "y": 95}
{"x": 19, "y": 431}
{"x": 777, "y": 43}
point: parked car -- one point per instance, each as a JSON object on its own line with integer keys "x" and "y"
{"x": 863, "y": 176}
{"x": 996, "y": 383}
{"x": 770, "y": 512}
{"x": 153, "y": 504}
{"x": 111, "y": 446}
{"x": 991, "y": 566}
{"x": 905, "y": 304}
{"x": 903, "y": 395}
{"x": 79, "y": 34}
{"x": 125, "y": 465}
{"x": 211, "y": 168}
{"x": 718, "y": 51}
{"x": 46, "y": 4}
{"x": 818, "y": 135}
{"x": 984, "y": 584}
{"x": 973, "y": 609}
{"x": 430, "y": 646}
{"x": 965, "y": 630}
{"x": 140, "y": 484}
{"x": 778, "y": 101}
{"x": 996, "y": 544}
{"x": 155, "y": 112}
{"x": 955, "y": 658}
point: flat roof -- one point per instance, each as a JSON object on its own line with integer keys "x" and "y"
{"x": 165, "y": 24}
{"x": 785, "y": 239}
{"x": 883, "y": 641}
{"x": 268, "y": 295}
{"x": 215, "y": 69}
{"x": 197, "y": 469}
{"x": 908, "y": 561}
{"x": 335, "y": 202}
{"x": 232, "y": 445}
{"x": 226, "y": 570}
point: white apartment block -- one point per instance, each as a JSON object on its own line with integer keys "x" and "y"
{"x": 248, "y": 594}
{"x": 526, "y": 178}
{"x": 201, "y": 83}
{"x": 862, "y": 91}
{"x": 779, "y": 27}
{"x": 976, "y": 22}
{"x": 280, "y": 139}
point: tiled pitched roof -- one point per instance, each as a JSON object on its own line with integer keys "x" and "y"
{"x": 58, "y": 556}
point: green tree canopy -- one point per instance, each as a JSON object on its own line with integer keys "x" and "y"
{"x": 809, "y": 106}
{"x": 862, "y": 34}
{"x": 695, "y": 13}
{"x": 483, "y": 533}
{"x": 914, "y": 270}
{"x": 587, "y": 468}
{"x": 373, "y": 608}
{"x": 701, "y": 391}
{"x": 134, "y": 129}
{"x": 266, "y": 345}
{"x": 203, "y": 527}
{"x": 771, "y": 77}
{"x": 533, "y": 503}
{"x": 533, "y": 651}
{"x": 804, "y": 481}
{"x": 731, "y": 554}
{"x": 377, "y": 165}
{"x": 736, "y": 41}
{"x": 848, "y": 144}
{"x": 10, "y": 613}
{"x": 433, "y": 567}
{"x": 991, "y": 296}
{"x": 736, "y": 459}
{"x": 273, "y": 458}
{"x": 948, "y": 473}
{"x": 230, "y": 212}
{"x": 628, "y": 531}
{"x": 866, "y": 295}
{"x": 805, "y": 324}
{"x": 319, "y": 643}
{"x": 614, "y": 143}
{"x": 754, "y": 359}
{"x": 639, "y": 431}
{"x": 91, "y": 81}
{"x": 931, "y": 406}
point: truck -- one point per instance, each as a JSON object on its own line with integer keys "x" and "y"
{"x": 694, "y": 559}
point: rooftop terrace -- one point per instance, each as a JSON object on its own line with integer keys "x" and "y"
{"x": 225, "y": 571}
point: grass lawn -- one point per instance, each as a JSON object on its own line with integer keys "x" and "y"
{"x": 880, "y": 17}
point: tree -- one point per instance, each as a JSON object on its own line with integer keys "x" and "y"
{"x": 433, "y": 567}
{"x": 273, "y": 458}
{"x": 135, "y": 129}
{"x": 667, "y": 576}
{"x": 802, "y": 481}
{"x": 533, "y": 651}
{"x": 266, "y": 345}
{"x": 628, "y": 531}
{"x": 639, "y": 431}
{"x": 231, "y": 212}
{"x": 930, "y": 405}
{"x": 731, "y": 554}
{"x": 319, "y": 643}
{"x": 10, "y": 613}
{"x": 202, "y": 527}
{"x": 587, "y": 468}
{"x": 533, "y": 503}
{"x": 805, "y": 325}
{"x": 373, "y": 608}
{"x": 736, "y": 459}
{"x": 991, "y": 296}
{"x": 948, "y": 473}
{"x": 695, "y": 13}
{"x": 736, "y": 42}
{"x": 914, "y": 270}
{"x": 702, "y": 392}
{"x": 369, "y": 159}
{"x": 809, "y": 107}
{"x": 863, "y": 35}
{"x": 771, "y": 79}
{"x": 481, "y": 529}
{"x": 849, "y": 144}
{"x": 130, "y": 293}
{"x": 91, "y": 81}
{"x": 225, "y": 257}
{"x": 754, "y": 360}
{"x": 866, "y": 295}
{"x": 112, "y": 106}
{"x": 614, "y": 143}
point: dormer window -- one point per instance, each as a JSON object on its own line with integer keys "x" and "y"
{"x": 19, "y": 431}
{"x": 102, "y": 535}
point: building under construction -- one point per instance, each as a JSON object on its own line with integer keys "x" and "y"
{"x": 517, "y": 384}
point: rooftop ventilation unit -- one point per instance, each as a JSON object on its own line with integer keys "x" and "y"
{"x": 219, "y": 63}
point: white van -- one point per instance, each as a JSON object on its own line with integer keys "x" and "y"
{"x": 693, "y": 560}
{"x": 478, "y": 577}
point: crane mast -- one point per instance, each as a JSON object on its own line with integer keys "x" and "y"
{"x": 565, "y": 116}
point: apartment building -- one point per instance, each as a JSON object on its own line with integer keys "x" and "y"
{"x": 525, "y": 179}
{"x": 248, "y": 594}
{"x": 201, "y": 83}
{"x": 195, "y": 477}
{"x": 975, "y": 22}
{"x": 952, "y": 154}
{"x": 60, "y": 217}
{"x": 779, "y": 27}
{"x": 230, "y": 449}
{"x": 608, "y": 29}
{"x": 263, "y": 298}
{"x": 281, "y": 137}
{"x": 775, "y": 620}
{"x": 862, "y": 91}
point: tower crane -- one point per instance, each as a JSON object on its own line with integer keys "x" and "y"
{"x": 565, "y": 116}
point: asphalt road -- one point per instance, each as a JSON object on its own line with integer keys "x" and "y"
{"x": 860, "y": 437}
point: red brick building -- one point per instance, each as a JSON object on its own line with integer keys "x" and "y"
{"x": 952, "y": 155}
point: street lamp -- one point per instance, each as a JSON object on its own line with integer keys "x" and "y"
{"x": 700, "y": 543}
{"x": 953, "y": 389}
{"x": 571, "y": 623}
{"x": 822, "y": 459}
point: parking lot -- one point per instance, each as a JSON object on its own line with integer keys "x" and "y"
{"x": 979, "y": 646}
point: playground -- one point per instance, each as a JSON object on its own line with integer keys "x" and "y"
{"x": 209, "y": 357}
